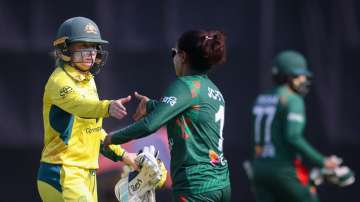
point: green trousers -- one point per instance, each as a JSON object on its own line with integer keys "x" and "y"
{"x": 281, "y": 182}
{"x": 221, "y": 195}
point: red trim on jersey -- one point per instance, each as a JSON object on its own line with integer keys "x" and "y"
{"x": 182, "y": 198}
{"x": 302, "y": 172}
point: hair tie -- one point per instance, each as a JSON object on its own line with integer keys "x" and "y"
{"x": 208, "y": 37}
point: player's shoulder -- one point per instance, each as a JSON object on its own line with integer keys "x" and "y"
{"x": 178, "y": 87}
{"x": 58, "y": 78}
{"x": 294, "y": 97}
{"x": 287, "y": 96}
{"x": 179, "y": 82}
{"x": 292, "y": 101}
{"x": 197, "y": 81}
{"x": 59, "y": 75}
{"x": 187, "y": 80}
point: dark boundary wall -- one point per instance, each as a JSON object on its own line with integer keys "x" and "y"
{"x": 326, "y": 31}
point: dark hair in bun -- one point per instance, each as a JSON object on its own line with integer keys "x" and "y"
{"x": 204, "y": 48}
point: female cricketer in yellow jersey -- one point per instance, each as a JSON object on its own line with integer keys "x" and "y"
{"x": 72, "y": 115}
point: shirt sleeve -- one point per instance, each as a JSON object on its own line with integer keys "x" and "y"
{"x": 175, "y": 100}
{"x": 63, "y": 93}
{"x": 113, "y": 152}
{"x": 295, "y": 123}
{"x": 150, "y": 105}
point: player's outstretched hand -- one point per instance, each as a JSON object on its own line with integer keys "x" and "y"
{"x": 117, "y": 109}
{"x": 141, "y": 108}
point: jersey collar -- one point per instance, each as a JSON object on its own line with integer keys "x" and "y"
{"x": 76, "y": 74}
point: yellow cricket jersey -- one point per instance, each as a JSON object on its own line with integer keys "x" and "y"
{"x": 72, "y": 115}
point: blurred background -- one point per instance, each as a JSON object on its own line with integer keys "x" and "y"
{"x": 141, "y": 34}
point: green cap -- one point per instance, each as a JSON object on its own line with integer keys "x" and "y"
{"x": 291, "y": 63}
{"x": 79, "y": 29}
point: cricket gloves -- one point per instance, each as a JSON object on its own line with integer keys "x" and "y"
{"x": 341, "y": 175}
{"x": 139, "y": 186}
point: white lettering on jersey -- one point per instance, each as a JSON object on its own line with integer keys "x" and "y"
{"x": 265, "y": 109}
{"x": 267, "y": 100}
{"x": 169, "y": 100}
{"x": 215, "y": 94}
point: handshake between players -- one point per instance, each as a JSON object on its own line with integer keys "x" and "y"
{"x": 143, "y": 172}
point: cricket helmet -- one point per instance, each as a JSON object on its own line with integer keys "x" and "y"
{"x": 77, "y": 30}
{"x": 290, "y": 63}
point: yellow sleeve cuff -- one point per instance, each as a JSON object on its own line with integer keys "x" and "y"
{"x": 117, "y": 149}
{"x": 106, "y": 106}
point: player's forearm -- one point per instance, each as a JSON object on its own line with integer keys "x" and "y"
{"x": 133, "y": 131}
{"x": 307, "y": 151}
{"x": 175, "y": 100}
{"x": 294, "y": 136}
{"x": 113, "y": 152}
{"x": 149, "y": 124}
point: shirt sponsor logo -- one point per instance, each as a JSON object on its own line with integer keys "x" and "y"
{"x": 93, "y": 130}
{"x": 65, "y": 91}
{"x": 169, "y": 100}
{"x": 295, "y": 117}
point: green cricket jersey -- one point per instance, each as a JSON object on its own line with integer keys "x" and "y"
{"x": 279, "y": 120}
{"x": 193, "y": 110}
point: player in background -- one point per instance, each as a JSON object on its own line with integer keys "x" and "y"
{"x": 72, "y": 115}
{"x": 193, "y": 110}
{"x": 279, "y": 146}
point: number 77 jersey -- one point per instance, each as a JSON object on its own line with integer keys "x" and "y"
{"x": 278, "y": 124}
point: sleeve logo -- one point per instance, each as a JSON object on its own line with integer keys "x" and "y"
{"x": 169, "y": 100}
{"x": 295, "y": 117}
{"x": 65, "y": 91}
